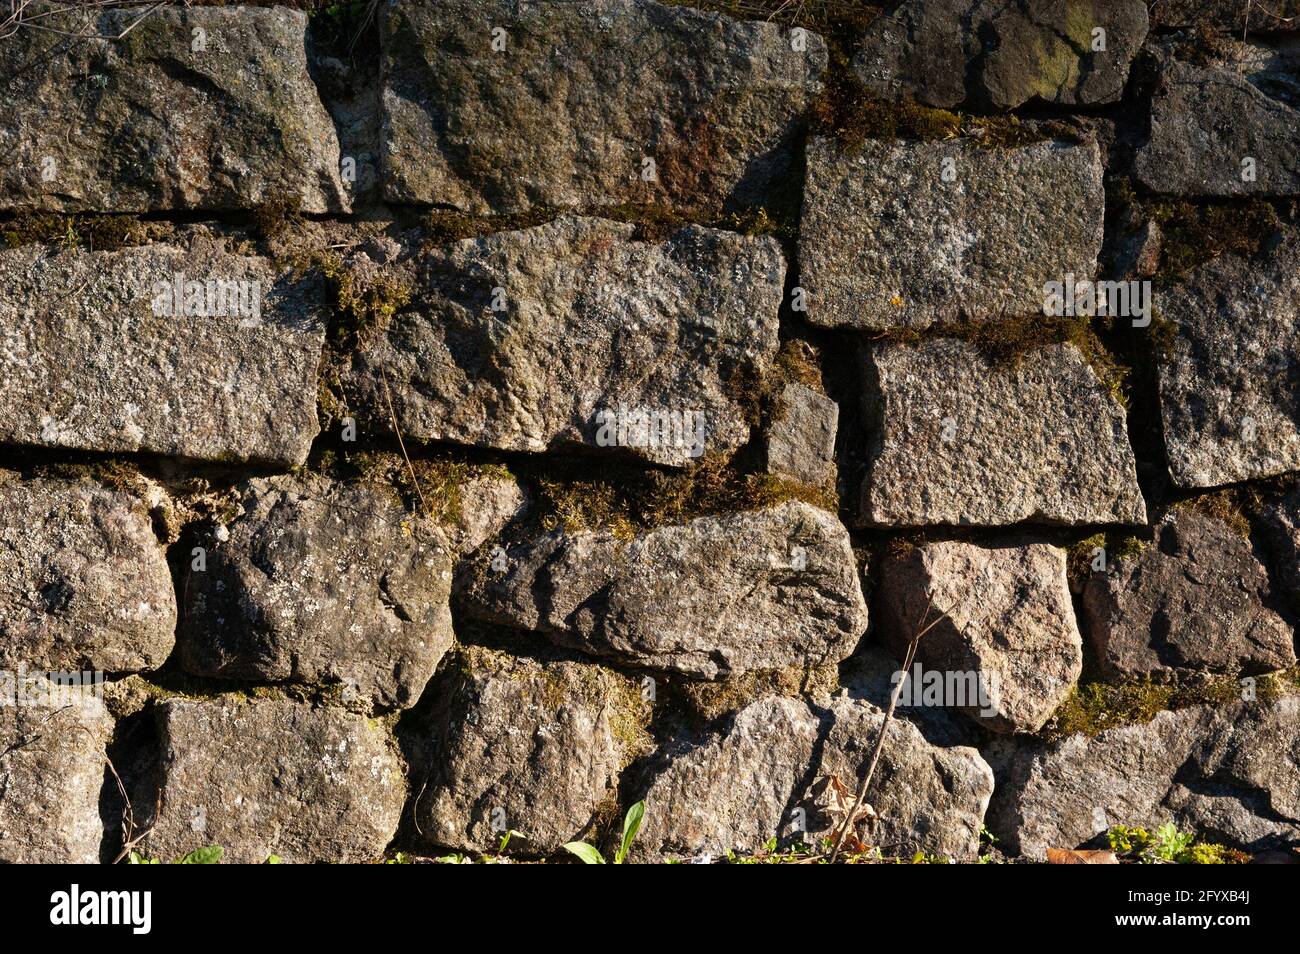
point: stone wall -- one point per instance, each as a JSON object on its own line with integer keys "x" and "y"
{"x": 440, "y": 419}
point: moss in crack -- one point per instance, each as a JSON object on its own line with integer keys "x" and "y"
{"x": 1194, "y": 233}
{"x": 1118, "y": 548}
{"x": 796, "y": 363}
{"x": 1094, "y": 707}
{"x": 1005, "y": 343}
{"x": 642, "y": 501}
{"x": 438, "y": 486}
{"x": 710, "y": 701}
{"x": 100, "y": 233}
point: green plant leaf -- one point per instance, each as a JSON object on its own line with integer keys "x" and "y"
{"x": 209, "y": 855}
{"x": 273, "y": 859}
{"x": 588, "y": 854}
{"x": 631, "y": 825}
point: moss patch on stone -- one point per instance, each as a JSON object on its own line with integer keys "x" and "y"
{"x": 1094, "y": 707}
{"x": 709, "y": 701}
{"x": 643, "y": 501}
{"x": 100, "y": 233}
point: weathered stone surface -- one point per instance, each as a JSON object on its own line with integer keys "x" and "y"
{"x": 1004, "y": 615}
{"x": 1229, "y": 773}
{"x": 1205, "y": 120}
{"x": 1228, "y": 398}
{"x": 52, "y": 766}
{"x": 593, "y": 322}
{"x": 885, "y": 242}
{"x": 84, "y": 582}
{"x": 1197, "y": 599}
{"x": 488, "y": 503}
{"x": 269, "y": 776}
{"x": 737, "y": 789}
{"x": 753, "y": 590}
{"x": 538, "y": 745}
{"x": 322, "y": 582}
{"x": 948, "y": 53}
{"x": 801, "y": 441}
{"x": 963, "y": 440}
{"x": 148, "y": 123}
{"x": 86, "y": 363}
{"x": 566, "y": 115}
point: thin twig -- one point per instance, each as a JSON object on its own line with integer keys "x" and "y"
{"x": 865, "y": 784}
{"x": 392, "y": 415}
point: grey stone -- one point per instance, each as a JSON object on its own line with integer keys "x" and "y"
{"x": 270, "y": 776}
{"x": 1197, "y": 599}
{"x": 581, "y": 96}
{"x": 753, "y": 590}
{"x": 1228, "y": 773}
{"x": 948, "y": 53}
{"x": 1004, "y": 616}
{"x": 322, "y": 582}
{"x": 84, "y": 582}
{"x": 801, "y": 441}
{"x": 885, "y": 242}
{"x": 1205, "y": 120}
{"x": 1228, "y": 379}
{"x": 535, "y": 745}
{"x": 52, "y": 769}
{"x": 742, "y": 786}
{"x": 488, "y": 503}
{"x": 964, "y": 440}
{"x": 593, "y": 324}
{"x": 146, "y": 123}
{"x": 87, "y": 364}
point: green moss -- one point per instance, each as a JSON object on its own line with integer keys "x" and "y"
{"x": 1094, "y": 707}
{"x": 1195, "y": 233}
{"x": 1118, "y": 546}
{"x": 795, "y": 362}
{"x": 101, "y": 233}
{"x": 1227, "y": 506}
{"x": 1005, "y": 343}
{"x": 708, "y": 701}
{"x": 641, "y": 502}
{"x": 273, "y": 218}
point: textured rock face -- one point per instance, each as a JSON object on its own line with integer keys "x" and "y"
{"x": 149, "y": 123}
{"x": 1197, "y": 599}
{"x": 1005, "y": 617}
{"x": 525, "y": 744}
{"x": 801, "y": 442}
{"x": 593, "y": 333}
{"x": 84, "y": 582}
{"x": 1227, "y": 382}
{"x": 965, "y": 441}
{"x": 567, "y": 114}
{"x": 753, "y": 590}
{"x": 994, "y": 54}
{"x": 52, "y": 768}
{"x": 488, "y": 503}
{"x": 93, "y": 356}
{"x": 735, "y": 790}
{"x": 275, "y": 777}
{"x": 1229, "y": 773}
{"x": 886, "y": 242}
{"x": 317, "y": 581}
{"x": 1206, "y": 120}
